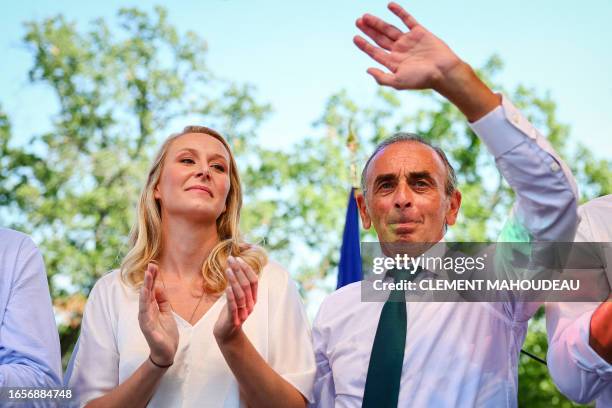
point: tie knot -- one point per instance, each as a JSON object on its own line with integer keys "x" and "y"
{"x": 399, "y": 275}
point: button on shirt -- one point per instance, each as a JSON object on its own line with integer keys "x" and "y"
{"x": 29, "y": 343}
{"x": 578, "y": 371}
{"x": 457, "y": 354}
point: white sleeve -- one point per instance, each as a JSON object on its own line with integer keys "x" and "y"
{"x": 290, "y": 348}
{"x": 93, "y": 370}
{"x": 546, "y": 191}
{"x": 29, "y": 343}
{"x": 577, "y": 370}
{"x": 324, "y": 388}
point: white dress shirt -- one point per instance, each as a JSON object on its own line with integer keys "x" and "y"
{"x": 111, "y": 345}
{"x": 579, "y": 372}
{"x": 457, "y": 354}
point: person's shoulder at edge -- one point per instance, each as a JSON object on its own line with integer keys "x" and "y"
{"x": 593, "y": 219}
{"x": 599, "y": 202}
{"x": 16, "y": 239}
{"x": 15, "y": 249}
{"x": 13, "y": 234}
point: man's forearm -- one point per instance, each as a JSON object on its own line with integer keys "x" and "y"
{"x": 462, "y": 87}
{"x": 600, "y": 337}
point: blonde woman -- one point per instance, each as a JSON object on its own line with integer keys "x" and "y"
{"x": 195, "y": 317}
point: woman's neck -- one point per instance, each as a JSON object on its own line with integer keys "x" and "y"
{"x": 185, "y": 246}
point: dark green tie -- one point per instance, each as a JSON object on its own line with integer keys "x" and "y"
{"x": 385, "y": 370}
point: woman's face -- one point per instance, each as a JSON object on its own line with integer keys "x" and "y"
{"x": 195, "y": 179}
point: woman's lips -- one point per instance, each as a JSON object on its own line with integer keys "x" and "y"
{"x": 200, "y": 189}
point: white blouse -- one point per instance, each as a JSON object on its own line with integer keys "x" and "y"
{"x": 111, "y": 345}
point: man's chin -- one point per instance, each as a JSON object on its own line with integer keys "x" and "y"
{"x": 405, "y": 238}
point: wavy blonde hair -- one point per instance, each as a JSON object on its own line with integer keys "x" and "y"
{"x": 145, "y": 237}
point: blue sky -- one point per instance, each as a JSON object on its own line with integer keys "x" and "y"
{"x": 298, "y": 53}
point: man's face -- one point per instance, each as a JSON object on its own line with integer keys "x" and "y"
{"x": 405, "y": 194}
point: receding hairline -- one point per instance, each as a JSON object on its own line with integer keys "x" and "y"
{"x": 414, "y": 141}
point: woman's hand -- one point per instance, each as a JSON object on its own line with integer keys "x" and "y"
{"x": 156, "y": 319}
{"x": 241, "y": 295}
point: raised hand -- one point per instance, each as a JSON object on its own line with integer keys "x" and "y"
{"x": 156, "y": 319}
{"x": 416, "y": 59}
{"x": 241, "y": 293}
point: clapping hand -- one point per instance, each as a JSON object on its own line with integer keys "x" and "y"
{"x": 241, "y": 293}
{"x": 416, "y": 59}
{"x": 157, "y": 320}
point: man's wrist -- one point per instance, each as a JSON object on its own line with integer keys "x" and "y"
{"x": 449, "y": 78}
{"x": 462, "y": 87}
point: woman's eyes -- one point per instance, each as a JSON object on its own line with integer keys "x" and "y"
{"x": 216, "y": 166}
{"x": 219, "y": 167}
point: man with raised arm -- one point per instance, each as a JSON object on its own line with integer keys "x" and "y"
{"x": 375, "y": 354}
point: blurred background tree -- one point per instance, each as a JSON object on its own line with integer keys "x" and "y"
{"x": 122, "y": 85}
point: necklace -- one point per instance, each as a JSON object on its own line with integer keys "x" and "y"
{"x": 196, "y": 306}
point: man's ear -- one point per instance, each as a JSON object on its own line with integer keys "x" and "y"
{"x": 453, "y": 209}
{"x": 363, "y": 210}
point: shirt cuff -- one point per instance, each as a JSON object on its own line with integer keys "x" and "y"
{"x": 504, "y": 128}
{"x": 583, "y": 354}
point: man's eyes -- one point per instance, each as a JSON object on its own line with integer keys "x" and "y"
{"x": 386, "y": 185}
{"x": 417, "y": 183}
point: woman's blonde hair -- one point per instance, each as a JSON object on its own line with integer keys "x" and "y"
{"x": 145, "y": 236}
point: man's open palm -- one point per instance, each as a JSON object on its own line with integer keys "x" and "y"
{"x": 416, "y": 59}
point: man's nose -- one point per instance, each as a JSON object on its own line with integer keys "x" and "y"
{"x": 403, "y": 196}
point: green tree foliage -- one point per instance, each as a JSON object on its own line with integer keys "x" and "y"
{"x": 121, "y": 86}
{"x": 117, "y": 88}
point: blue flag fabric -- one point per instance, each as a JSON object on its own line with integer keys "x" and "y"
{"x": 349, "y": 269}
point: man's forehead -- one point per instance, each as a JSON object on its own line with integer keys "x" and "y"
{"x": 406, "y": 157}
